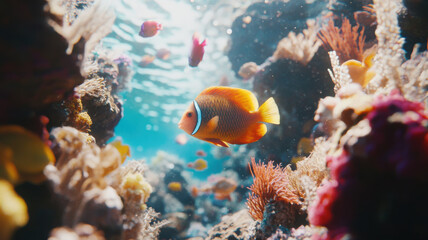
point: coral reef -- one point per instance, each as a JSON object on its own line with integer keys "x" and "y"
{"x": 235, "y": 226}
{"x": 270, "y": 184}
{"x": 386, "y": 146}
{"x": 301, "y": 47}
{"x": 35, "y": 70}
{"x": 280, "y": 196}
{"x": 79, "y": 177}
{"x": 270, "y": 22}
{"x": 347, "y": 41}
{"x": 104, "y": 108}
{"x": 80, "y": 232}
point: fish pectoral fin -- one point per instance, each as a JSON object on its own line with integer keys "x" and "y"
{"x": 216, "y": 142}
{"x": 253, "y": 133}
{"x": 212, "y": 124}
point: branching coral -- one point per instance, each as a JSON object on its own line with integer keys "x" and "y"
{"x": 236, "y": 226}
{"x": 347, "y": 41}
{"x": 415, "y": 76}
{"x": 301, "y": 47}
{"x": 390, "y": 54}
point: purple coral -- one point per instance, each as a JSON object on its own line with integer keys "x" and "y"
{"x": 379, "y": 185}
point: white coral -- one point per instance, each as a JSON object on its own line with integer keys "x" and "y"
{"x": 390, "y": 54}
{"x": 301, "y": 47}
{"x": 92, "y": 24}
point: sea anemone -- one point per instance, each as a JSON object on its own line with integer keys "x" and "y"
{"x": 270, "y": 184}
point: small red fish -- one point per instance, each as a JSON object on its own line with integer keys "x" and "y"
{"x": 222, "y": 115}
{"x": 201, "y": 153}
{"x": 197, "y": 51}
{"x": 150, "y": 28}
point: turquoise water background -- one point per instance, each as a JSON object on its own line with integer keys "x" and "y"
{"x": 159, "y": 93}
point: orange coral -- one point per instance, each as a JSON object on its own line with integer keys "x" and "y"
{"x": 270, "y": 184}
{"x": 347, "y": 41}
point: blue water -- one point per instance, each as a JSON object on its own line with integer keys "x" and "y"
{"x": 159, "y": 93}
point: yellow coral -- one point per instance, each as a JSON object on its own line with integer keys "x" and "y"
{"x": 77, "y": 118}
{"x": 135, "y": 185}
{"x": 13, "y": 210}
{"x": 28, "y": 152}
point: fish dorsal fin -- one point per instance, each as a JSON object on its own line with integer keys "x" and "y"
{"x": 241, "y": 97}
{"x": 216, "y": 142}
{"x": 212, "y": 124}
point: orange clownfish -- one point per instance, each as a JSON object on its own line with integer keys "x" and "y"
{"x": 150, "y": 28}
{"x": 197, "y": 51}
{"x": 222, "y": 115}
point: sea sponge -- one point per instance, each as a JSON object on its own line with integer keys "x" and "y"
{"x": 29, "y": 163}
{"x": 13, "y": 210}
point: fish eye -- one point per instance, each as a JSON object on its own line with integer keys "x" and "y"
{"x": 189, "y": 114}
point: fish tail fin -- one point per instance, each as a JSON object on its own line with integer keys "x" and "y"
{"x": 269, "y": 112}
{"x": 204, "y": 43}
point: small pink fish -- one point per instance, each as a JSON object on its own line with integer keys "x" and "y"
{"x": 181, "y": 139}
{"x": 197, "y": 51}
{"x": 201, "y": 153}
{"x": 150, "y": 28}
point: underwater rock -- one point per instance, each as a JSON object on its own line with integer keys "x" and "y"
{"x": 34, "y": 69}
{"x": 391, "y": 153}
{"x": 270, "y": 22}
{"x": 104, "y": 108}
{"x": 239, "y": 225}
{"x": 296, "y": 89}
